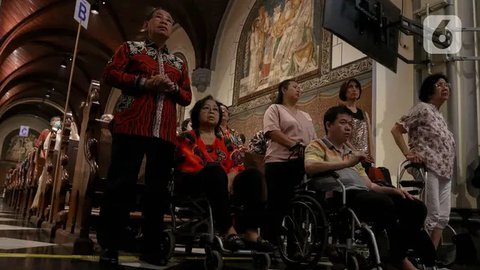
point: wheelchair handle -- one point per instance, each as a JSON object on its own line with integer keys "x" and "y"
{"x": 406, "y": 164}
{"x": 297, "y": 150}
{"x": 415, "y": 165}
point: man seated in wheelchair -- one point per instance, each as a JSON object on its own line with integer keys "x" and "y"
{"x": 386, "y": 207}
{"x": 211, "y": 165}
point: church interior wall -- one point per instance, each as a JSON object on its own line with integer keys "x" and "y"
{"x": 35, "y": 124}
{"x": 179, "y": 42}
{"x": 225, "y": 52}
{"x": 317, "y": 97}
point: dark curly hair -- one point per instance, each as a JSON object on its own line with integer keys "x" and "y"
{"x": 427, "y": 90}
{"x": 195, "y": 114}
{"x": 184, "y": 124}
{"x": 344, "y": 87}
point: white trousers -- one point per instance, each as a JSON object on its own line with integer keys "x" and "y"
{"x": 437, "y": 198}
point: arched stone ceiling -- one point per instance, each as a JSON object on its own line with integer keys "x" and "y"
{"x": 36, "y": 36}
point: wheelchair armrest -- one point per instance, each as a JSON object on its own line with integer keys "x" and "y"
{"x": 333, "y": 174}
{"x": 330, "y": 185}
{"x": 412, "y": 183}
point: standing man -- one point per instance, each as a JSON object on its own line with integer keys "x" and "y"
{"x": 152, "y": 81}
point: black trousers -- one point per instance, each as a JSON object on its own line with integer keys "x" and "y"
{"x": 281, "y": 177}
{"x": 212, "y": 181}
{"x": 403, "y": 219}
{"x": 127, "y": 155}
{"x": 248, "y": 189}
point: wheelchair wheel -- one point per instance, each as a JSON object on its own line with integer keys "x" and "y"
{"x": 365, "y": 251}
{"x": 213, "y": 260}
{"x": 303, "y": 232}
{"x": 261, "y": 261}
{"x": 169, "y": 242}
{"x": 352, "y": 262}
{"x": 447, "y": 250}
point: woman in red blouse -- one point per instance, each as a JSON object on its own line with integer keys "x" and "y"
{"x": 211, "y": 164}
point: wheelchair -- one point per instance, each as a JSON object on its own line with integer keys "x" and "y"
{"x": 314, "y": 226}
{"x": 446, "y": 251}
{"x": 191, "y": 225}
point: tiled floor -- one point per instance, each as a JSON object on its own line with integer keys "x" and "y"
{"x": 24, "y": 247}
{"x": 13, "y": 243}
{"x": 6, "y": 219}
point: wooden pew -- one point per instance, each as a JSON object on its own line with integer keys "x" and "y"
{"x": 29, "y": 168}
{"x": 40, "y": 161}
{"x": 60, "y": 185}
{"x": 45, "y": 187}
{"x": 77, "y": 226}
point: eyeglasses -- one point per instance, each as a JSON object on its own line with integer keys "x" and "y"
{"x": 208, "y": 109}
{"x": 442, "y": 84}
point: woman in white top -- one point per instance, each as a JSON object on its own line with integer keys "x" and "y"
{"x": 287, "y": 130}
{"x": 431, "y": 142}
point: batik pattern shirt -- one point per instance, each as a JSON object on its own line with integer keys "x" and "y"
{"x": 140, "y": 112}
{"x": 193, "y": 154}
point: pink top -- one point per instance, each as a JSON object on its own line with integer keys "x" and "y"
{"x": 428, "y": 135}
{"x": 297, "y": 127}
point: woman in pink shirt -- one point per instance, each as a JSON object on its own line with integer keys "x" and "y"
{"x": 287, "y": 130}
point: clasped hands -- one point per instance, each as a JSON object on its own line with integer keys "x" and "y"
{"x": 160, "y": 83}
{"x": 358, "y": 156}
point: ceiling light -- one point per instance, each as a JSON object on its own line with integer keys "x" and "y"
{"x": 94, "y": 9}
{"x": 63, "y": 64}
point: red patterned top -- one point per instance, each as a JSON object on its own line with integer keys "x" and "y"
{"x": 139, "y": 112}
{"x": 194, "y": 154}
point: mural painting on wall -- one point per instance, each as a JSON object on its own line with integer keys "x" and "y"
{"x": 316, "y": 104}
{"x": 16, "y": 148}
{"x": 280, "y": 40}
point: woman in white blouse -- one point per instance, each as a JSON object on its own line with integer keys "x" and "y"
{"x": 430, "y": 142}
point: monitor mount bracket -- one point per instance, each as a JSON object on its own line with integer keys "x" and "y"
{"x": 408, "y": 27}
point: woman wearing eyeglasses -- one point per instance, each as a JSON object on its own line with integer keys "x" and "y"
{"x": 431, "y": 143}
{"x": 207, "y": 164}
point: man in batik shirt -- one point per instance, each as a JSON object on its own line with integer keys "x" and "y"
{"x": 152, "y": 82}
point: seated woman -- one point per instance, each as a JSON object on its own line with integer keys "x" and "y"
{"x": 210, "y": 165}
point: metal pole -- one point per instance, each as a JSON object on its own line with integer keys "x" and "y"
{"x": 477, "y": 69}
{"x": 57, "y": 164}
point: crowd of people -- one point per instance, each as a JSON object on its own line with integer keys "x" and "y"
{"x": 209, "y": 157}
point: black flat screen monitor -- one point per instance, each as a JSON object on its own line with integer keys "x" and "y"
{"x": 363, "y": 29}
